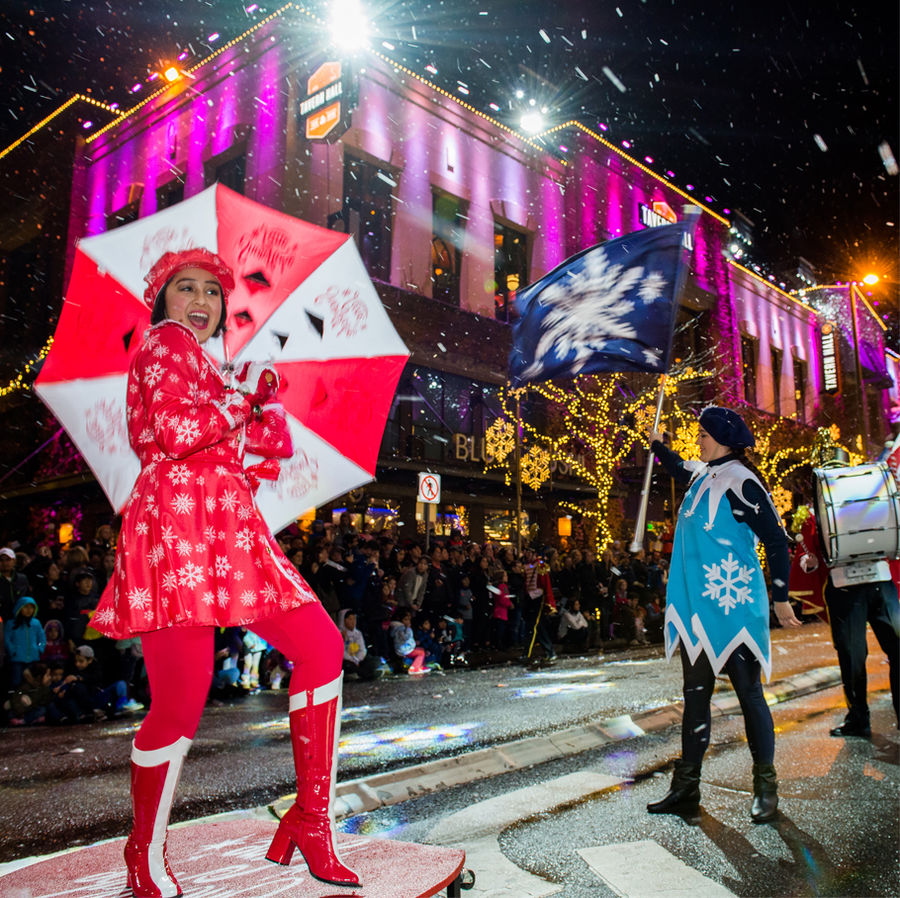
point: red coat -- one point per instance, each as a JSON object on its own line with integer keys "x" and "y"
{"x": 808, "y": 587}
{"x": 193, "y": 549}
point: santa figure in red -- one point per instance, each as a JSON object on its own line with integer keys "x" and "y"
{"x": 194, "y": 554}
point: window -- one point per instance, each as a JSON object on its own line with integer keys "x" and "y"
{"x": 169, "y": 194}
{"x": 748, "y": 360}
{"x": 448, "y": 230}
{"x": 232, "y": 172}
{"x": 510, "y": 269}
{"x": 777, "y": 359}
{"x": 800, "y": 390}
{"x": 691, "y": 329}
{"x": 366, "y": 213}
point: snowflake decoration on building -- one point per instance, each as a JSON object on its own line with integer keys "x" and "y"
{"x": 728, "y": 583}
{"x": 535, "y": 467}
{"x": 500, "y": 439}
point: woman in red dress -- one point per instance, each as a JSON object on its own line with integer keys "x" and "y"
{"x": 194, "y": 554}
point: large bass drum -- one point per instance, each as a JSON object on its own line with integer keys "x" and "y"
{"x": 858, "y": 513}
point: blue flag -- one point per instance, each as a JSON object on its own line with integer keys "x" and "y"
{"x": 611, "y": 307}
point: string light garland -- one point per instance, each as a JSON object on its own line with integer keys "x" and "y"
{"x": 19, "y": 381}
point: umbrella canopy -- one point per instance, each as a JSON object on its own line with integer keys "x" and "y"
{"x": 302, "y": 302}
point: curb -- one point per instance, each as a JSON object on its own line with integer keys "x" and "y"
{"x": 383, "y": 789}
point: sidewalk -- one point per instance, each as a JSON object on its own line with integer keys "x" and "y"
{"x": 383, "y": 789}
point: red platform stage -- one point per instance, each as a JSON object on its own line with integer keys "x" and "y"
{"x": 212, "y": 860}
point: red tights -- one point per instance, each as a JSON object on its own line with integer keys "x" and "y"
{"x": 180, "y": 667}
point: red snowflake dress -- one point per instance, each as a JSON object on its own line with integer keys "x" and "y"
{"x": 193, "y": 549}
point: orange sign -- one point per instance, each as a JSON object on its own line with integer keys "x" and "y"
{"x": 664, "y": 210}
{"x": 321, "y": 122}
{"x": 325, "y": 74}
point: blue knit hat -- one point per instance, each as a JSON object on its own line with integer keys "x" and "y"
{"x": 727, "y": 427}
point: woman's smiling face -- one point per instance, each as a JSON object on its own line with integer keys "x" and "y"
{"x": 194, "y": 299}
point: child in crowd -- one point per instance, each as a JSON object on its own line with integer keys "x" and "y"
{"x": 404, "y": 643}
{"x": 357, "y": 660}
{"x": 502, "y": 605}
{"x": 573, "y": 626}
{"x": 450, "y": 636}
{"x": 254, "y": 647}
{"x": 28, "y": 704}
{"x": 24, "y": 638}
{"x": 464, "y": 608}
{"x": 640, "y": 631}
{"x": 56, "y": 648}
{"x": 427, "y": 640}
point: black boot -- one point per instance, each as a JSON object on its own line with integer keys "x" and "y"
{"x": 683, "y": 796}
{"x": 765, "y": 793}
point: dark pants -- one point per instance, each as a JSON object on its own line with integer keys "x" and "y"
{"x": 699, "y": 681}
{"x": 848, "y": 610}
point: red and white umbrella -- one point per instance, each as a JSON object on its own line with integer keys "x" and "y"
{"x": 302, "y": 301}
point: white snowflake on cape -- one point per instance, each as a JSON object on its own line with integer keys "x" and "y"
{"x": 141, "y": 528}
{"x": 153, "y": 373}
{"x": 244, "y": 512}
{"x": 179, "y": 475}
{"x": 186, "y": 431}
{"x": 170, "y": 580}
{"x": 168, "y": 535}
{"x": 104, "y": 617}
{"x": 139, "y": 598}
{"x": 223, "y": 566}
{"x": 190, "y": 575}
{"x": 270, "y": 594}
{"x": 586, "y": 307}
{"x": 184, "y": 547}
{"x": 728, "y": 583}
{"x": 228, "y": 500}
{"x": 156, "y": 555}
{"x": 210, "y": 504}
{"x": 222, "y": 596}
{"x": 183, "y": 503}
{"x": 248, "y": 597}
{"x": 208, "y": 598}
{"x": 244, "y": 539}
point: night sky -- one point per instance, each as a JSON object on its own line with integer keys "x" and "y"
{"x": 776, "y": 109}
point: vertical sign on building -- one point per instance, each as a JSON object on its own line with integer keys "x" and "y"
{"x": 325, "y": 110}
{"x": 831, "y": 381}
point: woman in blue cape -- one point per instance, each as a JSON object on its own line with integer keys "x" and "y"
{"x": 717, "y": 605}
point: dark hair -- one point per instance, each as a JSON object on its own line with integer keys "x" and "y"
{"x": 158, "y": 312}
{"x": 741, "y": 456}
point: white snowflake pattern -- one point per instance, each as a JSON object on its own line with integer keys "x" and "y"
{"x": 208, "y": 598}
{"x": 270, "y": 594}
{"x": 139, "y": 598}
{"x": 168, "y": 535}
{"x": 153, "y": 373}
{"x": 104, "y": 617}
{"x": 222, "y": 596}
{"x": 210, "y": 504}
{"x": 210, "y": 534}
{"x": 184, "y": 547}
{"x": 728, "y": 583}
{"x": 652, "y": 287}
{"x": 244, "y": 539}
{"x": 248, "y": 597}
{"x": 585, "y": 307}
{"x": 160, "y": 350}
{"x": 179, "y": 475}
{"x": 183, "y": 503}
{"x": 156, "y": 555}
{"x": 223, "y": 566}
{"x": 244, "y": 512}
{"x": 190, "y": 575}
{"x": 170, "y": 580}
{"x": 141, "y": 528}
{"x": 228, "y": 500}
{"x": 187, "y": 430}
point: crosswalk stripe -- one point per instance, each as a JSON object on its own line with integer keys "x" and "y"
{"x": 646, "y": 870}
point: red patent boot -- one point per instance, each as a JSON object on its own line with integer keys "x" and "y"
{"x": 154, "y": 777}
{"x": 315, "y": 716}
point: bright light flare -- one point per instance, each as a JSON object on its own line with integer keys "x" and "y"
{"x": 350, "y": 27}
{"x": 172, "y": 74}
{"x": 532, "y": 122}
{"x": 871, "y": 279}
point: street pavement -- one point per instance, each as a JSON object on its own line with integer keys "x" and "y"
{"x": 541, "y": 774}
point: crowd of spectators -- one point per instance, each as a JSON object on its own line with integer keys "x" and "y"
{"x": 404, "y": 607}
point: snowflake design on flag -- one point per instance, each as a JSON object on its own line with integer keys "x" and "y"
{"x": 183, "y": 503}
{"x": 244, "y": 539}
{"x": 190, "y": 575}
{"x": 586, "y": 307}
{"x": 728, "y": 583}
{"x": 179, "y": 475}
{"x": 652, "y": 287}
{"x": 187, "y": 431}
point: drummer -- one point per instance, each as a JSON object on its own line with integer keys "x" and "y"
{"x": 849, "y": 607}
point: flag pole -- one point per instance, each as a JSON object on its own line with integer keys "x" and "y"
{"x": 518, "y": 478}
{"x": 640, "y": 525}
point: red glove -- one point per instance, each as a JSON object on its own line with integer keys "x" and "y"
{"x": 268, "y": 434}
{"x": 259, "y": 383}
{"x": 264, "y": 470}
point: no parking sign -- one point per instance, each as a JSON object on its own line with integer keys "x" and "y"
{"x": 429, "y": 488}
